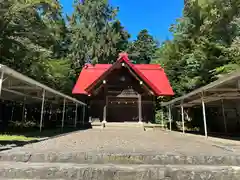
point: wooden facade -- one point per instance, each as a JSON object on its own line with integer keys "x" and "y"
{"x": 122, "y": 97}
{"x": 122, "y": 91}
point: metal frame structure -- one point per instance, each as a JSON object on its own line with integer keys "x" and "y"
{"x": 225, "y": 88}
{"x": 17, "y": 87}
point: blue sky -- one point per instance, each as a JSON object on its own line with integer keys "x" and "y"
{"x": 135, "y": 15}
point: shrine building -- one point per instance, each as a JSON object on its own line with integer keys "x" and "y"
{"x": 122, "y": 91}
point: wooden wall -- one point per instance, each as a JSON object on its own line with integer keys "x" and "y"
{"x": 120, "y": 95}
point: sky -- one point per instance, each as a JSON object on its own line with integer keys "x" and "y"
{"x": 154, "y": 15}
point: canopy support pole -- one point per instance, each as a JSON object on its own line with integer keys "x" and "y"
{"x": 63, "y": 112}
{"x": 182, "y": 113}
{"x": 1, "y": 81}
{"x": 13, "y": 107}
{"x": 170, "y": 117}
{"x": 204, "y": 118}
{"x": 23, "y": 109}
{"x": 162, "y": 118}
{"x": 76, "y": 115}
{"x": 42, "y": 109}
{"x": 224, "y": 117}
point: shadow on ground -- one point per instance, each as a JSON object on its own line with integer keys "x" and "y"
{"x": 35, "y": 136}
{"x": 221, "y": 135}
{"x": 227, "y": 136}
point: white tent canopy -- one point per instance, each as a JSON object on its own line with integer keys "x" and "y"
{"x": 17, "y": 87}
{"x": 225, "y": 88}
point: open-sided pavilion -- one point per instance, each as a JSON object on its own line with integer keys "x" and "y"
{"x": 214, "y": 94}
{"x": 17, "y": 87}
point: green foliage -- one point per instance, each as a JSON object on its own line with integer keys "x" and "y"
{"x": 160, "y": 118}
{"x": 34, "y": 40}
{"x": 60, "y": 74}
{"x": 22, "y": 125}
{"x": 205, "y": 44}
{"x": 96, "y": 35}
{"x": 26, "y": 39}
{"x": 143, "y": 49}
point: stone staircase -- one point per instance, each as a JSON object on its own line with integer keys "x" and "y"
{"x": 87, "y": 166}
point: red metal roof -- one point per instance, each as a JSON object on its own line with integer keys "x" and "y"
{"x": 152, "y": 74}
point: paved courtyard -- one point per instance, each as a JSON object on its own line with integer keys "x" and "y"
{"x": 132, "y": 140}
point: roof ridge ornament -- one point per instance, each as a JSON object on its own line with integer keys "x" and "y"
{"x": 122, "y": 55}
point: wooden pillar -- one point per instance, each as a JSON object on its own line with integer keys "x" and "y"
{"x": 104, "y": 113}
{"x": 105, "y": 102}
{"x": 83, "y": 114}
{"x": 139, "y": 108}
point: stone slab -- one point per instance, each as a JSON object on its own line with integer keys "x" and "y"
{"x": 115, "y": 172}
{"x": 130, "y": 158}
{"x": 131, "y": 140}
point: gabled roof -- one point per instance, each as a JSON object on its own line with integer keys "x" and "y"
{"x": 152, "y": 74}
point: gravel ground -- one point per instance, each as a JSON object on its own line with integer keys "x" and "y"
{"x": 130, "y": 140}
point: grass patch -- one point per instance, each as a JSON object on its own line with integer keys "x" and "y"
{"x": 16, "y": 138}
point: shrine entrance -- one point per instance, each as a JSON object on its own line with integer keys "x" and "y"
{"x": 122, "y": 109}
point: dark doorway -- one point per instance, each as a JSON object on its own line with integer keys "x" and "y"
{"x": 122, "y": 110}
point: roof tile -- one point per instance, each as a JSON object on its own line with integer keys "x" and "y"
{"x": 153, "y": 72}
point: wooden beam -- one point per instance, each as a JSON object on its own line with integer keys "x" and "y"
{"x": 144, "y": 85}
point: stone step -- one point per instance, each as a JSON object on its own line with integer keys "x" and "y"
{"x": 104, "y": 158}
{"x": 61, "y": 179}
{"x": 67, "y": 171}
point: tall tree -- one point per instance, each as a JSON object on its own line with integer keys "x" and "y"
{"x": 24, "y": 36}
{"x": 96, "y": 35}
{"x": 32, "y": 40}
{"x": 204, "y": 44}
{"x": 122, "y": 43}
{"x": 143, "y": 49}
